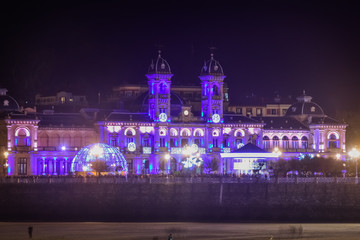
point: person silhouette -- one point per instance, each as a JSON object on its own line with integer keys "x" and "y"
{"x": 30, "y": 230}
{"x": 170, "y": 236}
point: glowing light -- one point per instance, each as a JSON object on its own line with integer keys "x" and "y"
{"x": 227, "y": 130}
{"x": 6, "y": 154}
{"x": 167, "y": 156}
{"x": 131, "y": 146}
{"x": 277, "y": 152}
{"x": 96, "y": 151}
{"x": 162, "y": 117}
{"x": 63, "y": 148}
{"x": 354, "y": 153}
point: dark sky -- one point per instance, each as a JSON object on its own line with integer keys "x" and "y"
{"x": 263, "y": 46}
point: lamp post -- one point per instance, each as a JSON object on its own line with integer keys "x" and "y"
{"x": 277, "y": 152}
{"x": 354, "y": 154}
{"x": 167, "y": 158}
{"x": 4, "y": 169}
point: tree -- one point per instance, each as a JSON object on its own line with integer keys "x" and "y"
{"x": 278, "y": 167}
{"x": 211, "y": 165}
{"x": 100, "y": 166}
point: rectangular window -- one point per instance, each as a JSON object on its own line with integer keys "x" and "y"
{"x": 273, "y": 111}
{"x": 146, "y": 143}
{"x": 172, "y": 142}
{"x": 162, "y": 142}
{"x": 249, "y": 112}
{"x": 22, "y": 166}
{"x": 215, "y": 143}
{"x": 258, "y": 112}
{"x": 239, "y": 110}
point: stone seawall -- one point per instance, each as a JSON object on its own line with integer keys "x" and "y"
{"x": 180, "y": 202}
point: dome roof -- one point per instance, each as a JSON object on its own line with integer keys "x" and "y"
{"x": 212, "y": 67}
{"x": 175, "y": 99}
{"x": 304, "y": 106}
{"x": 99, "y": 151}
{"x": 161, "y": 66}
{"x": 7, "y": 103}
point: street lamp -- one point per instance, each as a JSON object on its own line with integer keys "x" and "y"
{"x": 6, "y": 154}
{"x": 354, "y": 154}
{"x": 277, "y": 152}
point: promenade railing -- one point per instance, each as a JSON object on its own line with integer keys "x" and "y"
{"x": 146, "y": 179}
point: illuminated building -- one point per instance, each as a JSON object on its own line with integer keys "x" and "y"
{"x": 154, "y": 135}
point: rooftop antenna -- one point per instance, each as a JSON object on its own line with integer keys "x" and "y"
{"x": 212, "y": 50}
{"x": 160, "y": 47}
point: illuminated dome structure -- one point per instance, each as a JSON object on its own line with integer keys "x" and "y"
{"x": 82, "y": 162}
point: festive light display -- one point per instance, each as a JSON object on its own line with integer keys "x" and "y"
{"x": 193, "y": 157}
{"x": 99, "y": 151}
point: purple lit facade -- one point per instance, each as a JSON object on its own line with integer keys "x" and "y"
{"x": 153, "y": 140}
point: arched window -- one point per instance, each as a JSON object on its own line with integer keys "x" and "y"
{"x": 162, "y": 88}
{"x": 304, "y": 142}
{"x": 198, "y": 133}
{"x": 333, "y": 141}
{"x": 285, "y": 142}
{"x": 266, "y": 141}
{"x": 185, "y": 132}
{"x": 215, "y": 90}
{"x": 173, "y": 132}
{"x": 239, "y": 138}
{"x": 276, "y": 141}
{"x": 294, "y": 142}
{"x": 22, "y": 137}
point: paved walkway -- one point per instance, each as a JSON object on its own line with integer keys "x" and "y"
{"x": 198, "y": 231}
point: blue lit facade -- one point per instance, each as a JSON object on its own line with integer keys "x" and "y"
{"x": 154, "y": 139}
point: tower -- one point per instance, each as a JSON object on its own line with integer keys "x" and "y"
{"x": 212, "y": 84}
{"x": 159, "y": 81}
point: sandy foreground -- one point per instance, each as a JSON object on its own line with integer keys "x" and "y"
{"x": 186, "y": 230}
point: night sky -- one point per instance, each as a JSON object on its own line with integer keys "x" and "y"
{"x": 265, "y": 47}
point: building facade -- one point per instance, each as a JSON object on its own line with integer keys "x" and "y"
{"x": 167, "y": 133}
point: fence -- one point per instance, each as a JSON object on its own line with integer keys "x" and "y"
{"x": 172, "y": 180}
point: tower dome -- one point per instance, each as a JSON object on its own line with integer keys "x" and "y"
{"x": 212, "y": 67}
{"x": 305, "y": 107}
{"x": 160, "y": 66}
{"x": 112, "y": 156}
{"x": 7, "y": 103}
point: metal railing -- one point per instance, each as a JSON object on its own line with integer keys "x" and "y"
{"x": 145, "y": 179}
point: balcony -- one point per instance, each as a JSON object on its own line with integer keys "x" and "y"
{"x": 216, "y": 97}
{"x": 216, "y": 149}
{"x": 23, "y": 148}
{"x": 334, "y": 150}
{"x": 147, "y": 150}
{"x": 164, "y": 96}
{"x": 175, "y": 150}
{"x": 226, "y": 150}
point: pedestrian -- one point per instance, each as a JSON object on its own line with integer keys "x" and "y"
{"x": 170, "y": 236}
{"x": 30, "y": 230}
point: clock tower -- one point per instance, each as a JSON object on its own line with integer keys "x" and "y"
{"x": 212, "y": 84}
{"x": 159, "y": 81}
